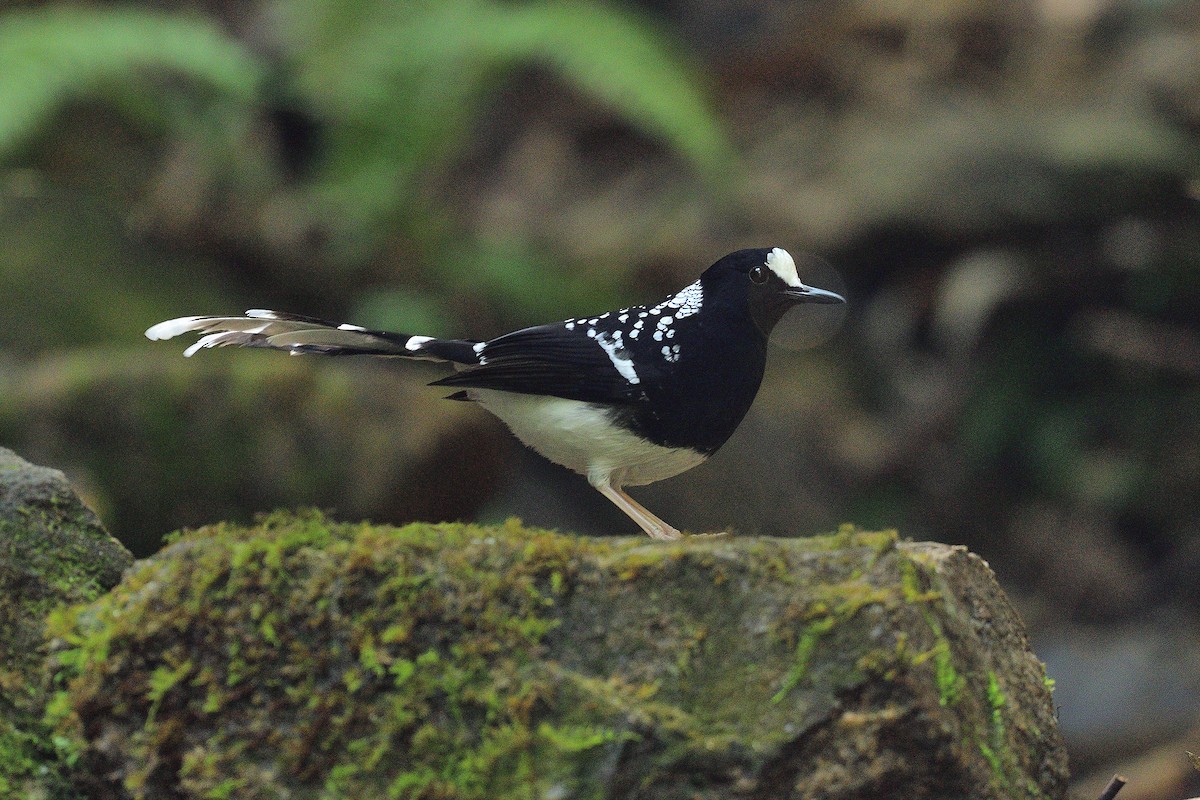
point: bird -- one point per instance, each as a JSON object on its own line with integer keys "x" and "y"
{"x": 624, "y": 398}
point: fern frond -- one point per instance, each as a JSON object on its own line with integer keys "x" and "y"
{"x": 49, "y": 55}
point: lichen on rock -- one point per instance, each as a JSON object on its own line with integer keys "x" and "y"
{"x": 307, "y": 658}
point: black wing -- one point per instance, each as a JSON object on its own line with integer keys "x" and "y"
{"x": 557, "y": 361}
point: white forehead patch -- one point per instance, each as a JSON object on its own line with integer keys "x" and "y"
{"x": 780, "y": 262}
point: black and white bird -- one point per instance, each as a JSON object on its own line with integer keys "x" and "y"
{"x": 624, "y": 398}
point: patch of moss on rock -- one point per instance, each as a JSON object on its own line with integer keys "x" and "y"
{"x": 307, "y": 659}
{"x": 53, "y": 552}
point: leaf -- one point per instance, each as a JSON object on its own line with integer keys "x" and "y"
{"x": 50, "y": 55}
{"x": 399, "y": 86}
{"x": 613, "y": 55}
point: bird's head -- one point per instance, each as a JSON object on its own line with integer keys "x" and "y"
{"x": 766, "y": 278}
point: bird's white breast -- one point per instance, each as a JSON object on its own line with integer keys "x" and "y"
{"x": 583, "y": 437}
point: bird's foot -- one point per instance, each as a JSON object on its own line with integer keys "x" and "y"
{"x": 663, "y": 533}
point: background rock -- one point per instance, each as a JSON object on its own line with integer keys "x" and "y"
{"x": 53, "y": 552}
{"x": 306, "y": 658}
{"x": 220, "y": 435}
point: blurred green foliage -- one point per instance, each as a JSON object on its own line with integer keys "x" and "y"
{"x": 399, "y": 83}
{"x": 52, "y": 54}
{"x": 387, "y": 93}
{"x": 65, "y": 304}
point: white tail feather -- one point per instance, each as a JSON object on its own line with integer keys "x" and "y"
{"x": 299, "y": 334}
{"x": 174, "y": 327}
{"x": 264, "y": 328}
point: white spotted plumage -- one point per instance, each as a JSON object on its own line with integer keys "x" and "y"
{"x": 618, "y": 355}
{"x": 685, "y": 303}
{"x": 689, "y": 301}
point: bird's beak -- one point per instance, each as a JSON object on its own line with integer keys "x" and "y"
{"x": 811, "y": 294}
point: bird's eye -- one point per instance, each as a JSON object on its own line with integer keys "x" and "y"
{"x": 758, "y": 275}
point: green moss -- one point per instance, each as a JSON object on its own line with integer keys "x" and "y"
{"x": 840, "y": 602}
{"x": 996, "y": 701}
{"x": 946, "y": 676}
{"x": 804, "y": 650}
{"x": 18, "y": 759}
{"x": 53, "y": 552}
{"x": 993, "y": 750}
{"x": 351, "y": 628}
{"x": 997, "y": 750}
{"x": 949, "y": 682}
{"x": 849, "y": 536}
{"x": 996, "y": 764}
{"x": 991, "y": 739}
{"x": 458, "y": 662}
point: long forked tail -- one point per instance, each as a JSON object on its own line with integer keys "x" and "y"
{"x": 298, "y": 334}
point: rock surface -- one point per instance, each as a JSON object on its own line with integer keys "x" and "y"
{"x": 53, "y": 551}
{"x": 302, "y": 658}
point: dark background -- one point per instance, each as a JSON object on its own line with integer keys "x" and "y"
{"x": 1006, "y": 192}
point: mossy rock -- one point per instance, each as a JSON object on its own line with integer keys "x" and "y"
{"x": 227, "y": 436}
{"x": 53, "y": 552}
{"x": 306, "y": 659}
